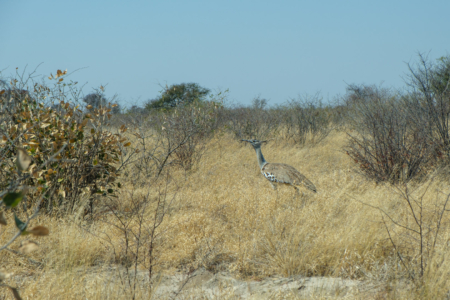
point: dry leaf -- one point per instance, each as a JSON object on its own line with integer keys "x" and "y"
{"x": 23, "y": 159}
{"x": 2, "y": 218}
{"x": 62, "y": 193}
{"x": 39, "y": 231}
{"x": 28, "y": 246}
{"x": 4, "y": 275}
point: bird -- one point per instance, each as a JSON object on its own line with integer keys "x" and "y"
{"x": 278, "y": 173}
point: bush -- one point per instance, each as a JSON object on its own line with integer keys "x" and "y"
{"x": 173, "y": 138}
{"x": 384, "y": 141}
{"x": 70, "y": 149}
{"x": 307, "y": 117}
{"x": 428, "y": 102}
{"x": 189, "y": 127}
{"x": 256, "y": 121}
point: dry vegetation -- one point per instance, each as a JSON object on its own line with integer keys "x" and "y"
{"x": 191, "y": 196}
{"x": 226, "y": 217}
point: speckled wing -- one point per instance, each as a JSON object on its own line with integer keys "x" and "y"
{"x": 283, "y": 173}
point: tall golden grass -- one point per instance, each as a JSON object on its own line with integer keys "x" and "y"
{"x": 226, "y": 217}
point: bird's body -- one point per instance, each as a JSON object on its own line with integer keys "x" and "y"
{"x": 280, "y": 173}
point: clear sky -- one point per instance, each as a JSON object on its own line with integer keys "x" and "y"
{"x": 275, "y": 49}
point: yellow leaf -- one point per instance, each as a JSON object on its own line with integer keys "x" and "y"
{"x": 127, "y": 144}
{"x": 61, "y": 79}
{"x": 89, "y": 106}
{"x": 72, "y": 141}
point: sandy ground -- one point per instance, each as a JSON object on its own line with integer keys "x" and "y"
{"x": 212, "y": 286}
{"x": 202, "y": 284}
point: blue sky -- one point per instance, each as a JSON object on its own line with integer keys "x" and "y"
{"x": 273, "y": 49}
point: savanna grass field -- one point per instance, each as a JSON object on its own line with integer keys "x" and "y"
{"x": 192, "y": 200}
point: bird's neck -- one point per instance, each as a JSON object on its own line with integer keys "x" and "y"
{"x": 260, "y": 157}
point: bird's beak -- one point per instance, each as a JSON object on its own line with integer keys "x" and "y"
{"x": 263, "y": 142}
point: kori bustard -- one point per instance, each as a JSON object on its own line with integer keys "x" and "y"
{"x": 280, "y": 173}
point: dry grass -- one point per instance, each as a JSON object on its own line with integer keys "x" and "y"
{"x": 226, "y": 217}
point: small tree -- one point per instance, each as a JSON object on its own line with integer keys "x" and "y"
{"x": 178, "y": 94}
{"x": 96, "y": 100}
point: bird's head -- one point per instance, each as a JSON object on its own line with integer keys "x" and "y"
{"x": 255, "y": 143}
